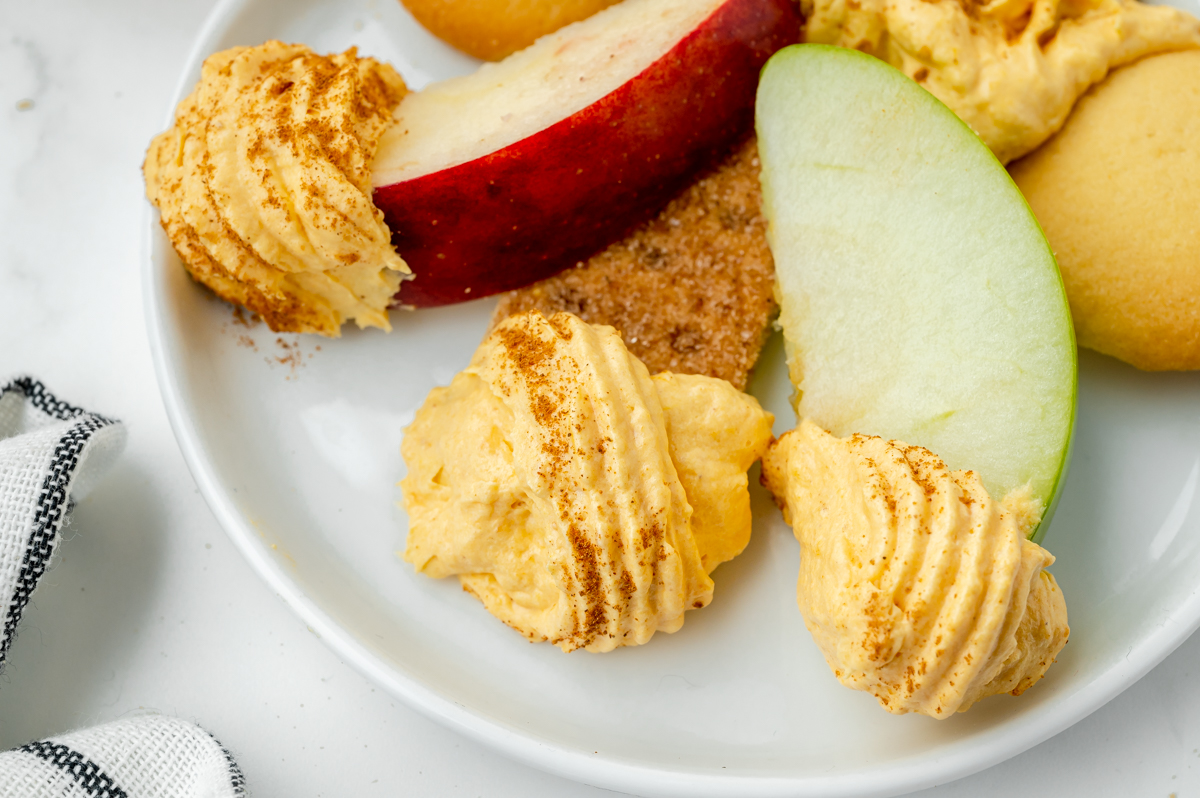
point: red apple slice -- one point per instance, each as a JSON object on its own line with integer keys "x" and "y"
{"x": 498, "y": 179}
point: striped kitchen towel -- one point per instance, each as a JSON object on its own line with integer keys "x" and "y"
{"x": 144, "y": 757}
{"x": 51, "y": 454}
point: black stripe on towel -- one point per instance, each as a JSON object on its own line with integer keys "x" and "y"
{"x": 43, "y": 400}
{"x": 236, "y": 780}
{"x": 87, "y": 774}
{"x": 52, "y": 503}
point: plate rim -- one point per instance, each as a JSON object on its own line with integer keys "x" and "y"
{"x": 910, "y": 774}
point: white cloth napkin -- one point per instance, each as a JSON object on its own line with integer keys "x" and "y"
{"x": 51, "y": 455}
{"x": 145, "y": 757}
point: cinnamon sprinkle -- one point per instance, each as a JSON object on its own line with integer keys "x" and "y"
{"x": 296, "y": 133}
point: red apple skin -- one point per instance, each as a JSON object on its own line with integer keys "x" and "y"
{"x": 529, "y": 210}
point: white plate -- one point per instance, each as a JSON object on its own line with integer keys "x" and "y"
{"x": 299, "y": 460}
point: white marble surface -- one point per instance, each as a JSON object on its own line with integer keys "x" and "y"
{"x": 150, "y": 609}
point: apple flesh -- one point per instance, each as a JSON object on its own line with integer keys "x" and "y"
{"x": 501, "y": 178}
{"x": 919, "y": 299}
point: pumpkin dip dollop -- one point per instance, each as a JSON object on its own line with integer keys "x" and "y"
{"x": 917, "y": 586}
{"x": 264, "y": 185}
{"x": 583, "y": 501}
{"x": 1011, "y": 69}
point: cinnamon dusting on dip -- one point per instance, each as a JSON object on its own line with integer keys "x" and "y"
{"x": 917, "y": 586}
{"x": 581, "y": 500}
{"x": 264, "y": 185}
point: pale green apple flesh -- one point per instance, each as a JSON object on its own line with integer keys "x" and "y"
{"x": 919, "y": 298}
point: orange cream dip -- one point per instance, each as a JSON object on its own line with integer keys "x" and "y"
{"x": 1011, "y": 69}
{"x": 917, "y": 586}
{"x": 584, "y": 502}
{"x": 264, "y": 185}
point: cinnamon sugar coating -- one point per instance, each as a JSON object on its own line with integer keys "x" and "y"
{"x": 691, "y": 290}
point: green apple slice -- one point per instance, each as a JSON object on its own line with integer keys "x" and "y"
{"x": 919, "y": 298}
